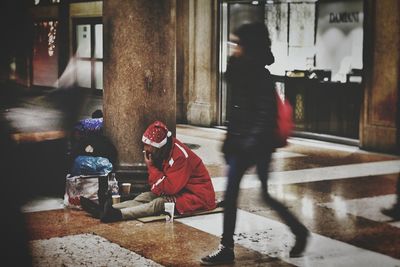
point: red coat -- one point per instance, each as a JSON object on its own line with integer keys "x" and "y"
{"x": 185, "y": 177}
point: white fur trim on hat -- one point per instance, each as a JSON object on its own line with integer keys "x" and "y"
{"x": 152, "y": 143}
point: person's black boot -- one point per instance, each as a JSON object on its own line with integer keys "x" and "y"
{"x": 301, "y": 243}
{"x": 90, "y": 207}
{"x": 223, "y": 255}
{"x": 110, "y": 214}
{"x": 393, "y": 212}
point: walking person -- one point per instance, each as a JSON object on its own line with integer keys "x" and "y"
{"x": 249, "y": 139}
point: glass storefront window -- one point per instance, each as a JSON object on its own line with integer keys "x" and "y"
{"x": 83, "y": 73}
{"x": 339, "y": 38}
{"x": 83, "y": 39}
{"x": 301, "y": 36}
{"x": 276, "y": 16}
{"x": 89, "y": 52}
{"x": 276, "y": 19}
{"x": 314, "y": 42}
{"x": 98, "y": 52}
{"x": 98, "y": 70}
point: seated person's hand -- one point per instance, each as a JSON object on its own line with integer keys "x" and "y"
{"x": 147, "y": 158}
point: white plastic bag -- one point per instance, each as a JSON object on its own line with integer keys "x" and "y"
{"x": 77, "y": 186}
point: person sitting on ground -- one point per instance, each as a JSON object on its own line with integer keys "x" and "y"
{"x": 176, "y": 174}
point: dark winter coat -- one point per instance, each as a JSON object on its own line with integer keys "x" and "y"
{"x": 253, "y": 107}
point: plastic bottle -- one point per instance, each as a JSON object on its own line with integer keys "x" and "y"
{"x": 113, "y": 184}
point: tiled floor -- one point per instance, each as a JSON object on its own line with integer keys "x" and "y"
{"x": 336, "y": 190}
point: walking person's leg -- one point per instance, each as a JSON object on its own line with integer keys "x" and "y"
{"x": 237, "y": 168}
{"x": 225, "y": 252}
{"x": 297, "y": 228}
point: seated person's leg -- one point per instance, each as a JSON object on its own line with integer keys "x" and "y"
{"x": 116, "y": 212}
{"x": 126, "y": 204}
{"x": 109, "y": 213}
{"x": 152, "y": 208}
{"x": 146, "y": 197}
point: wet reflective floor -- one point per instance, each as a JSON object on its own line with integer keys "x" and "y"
{"x": 337, "y": 191}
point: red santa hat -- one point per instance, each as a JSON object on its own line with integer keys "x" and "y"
{"x": 156, "y": 134}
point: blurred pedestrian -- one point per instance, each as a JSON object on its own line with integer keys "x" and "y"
{"x": 249, "y": 139}
{"x": 16, "y": 186}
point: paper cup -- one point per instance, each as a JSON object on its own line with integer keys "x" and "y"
{"x": 116, "y": 199}
{"x": 126, "y": 188}
{"x": 169, "y": 209}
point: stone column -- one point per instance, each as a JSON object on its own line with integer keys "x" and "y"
{"x": 378, "y": 126}
{"x": 139, "y": 73}
{"x": 182, "y": 57}
{"x": 202, "y": 61}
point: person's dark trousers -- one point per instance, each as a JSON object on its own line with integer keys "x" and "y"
{"x": 237, "y": 167}
{"x": 289, "y": 218}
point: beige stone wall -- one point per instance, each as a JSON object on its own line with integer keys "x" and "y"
{"x": 202, "y": 63}
{"x": 139, "y": 72}
{"x": 182, "y": 60}
{"x": 378, "y": 129}
{"x": 196, "y": 57}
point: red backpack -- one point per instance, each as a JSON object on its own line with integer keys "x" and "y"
{"x": 284, "y": 122}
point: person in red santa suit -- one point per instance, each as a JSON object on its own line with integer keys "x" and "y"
{"x": 176, "y": 174}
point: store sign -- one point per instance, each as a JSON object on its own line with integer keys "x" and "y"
{"x": 344, "y": 17}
